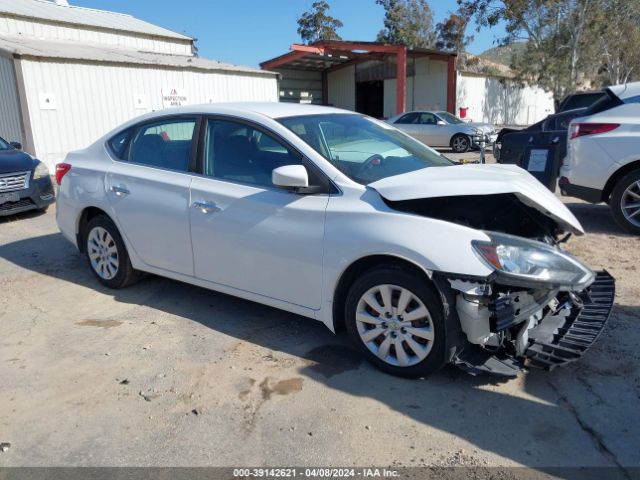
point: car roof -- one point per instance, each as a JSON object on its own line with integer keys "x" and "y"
{"x": 626, "y": 91}
{"x": 268, "y": 109}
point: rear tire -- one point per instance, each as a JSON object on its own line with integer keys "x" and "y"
{"x": 403, "y": 332}
{"x": 107, "y": 255}
{"x": 460, "y": 143}
{"x": 625, "y": 202}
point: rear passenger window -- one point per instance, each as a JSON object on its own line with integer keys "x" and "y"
{"x": 119, "y": 143}
{"x": 164, "y": 144}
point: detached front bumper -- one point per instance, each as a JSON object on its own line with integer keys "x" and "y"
{"x": 557, "y": 340}
{"x": 489, "y": 140}
{"x": 560, "y": 336}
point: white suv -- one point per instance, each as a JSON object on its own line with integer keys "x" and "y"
{"x": 603, "y": 155}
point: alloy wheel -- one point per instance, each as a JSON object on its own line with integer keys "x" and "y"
{"x": 103, "y": 253}
{"x": 395, "y": 325}
{"x": 630, "y": 204}
{"x": 460, "y": 144}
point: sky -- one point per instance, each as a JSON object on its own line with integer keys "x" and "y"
{"x": 247, "y": 32}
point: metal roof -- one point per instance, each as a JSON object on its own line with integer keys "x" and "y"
{"x": 340, "y": 52}
{"x": 48, "y": 11}
{"x": 29, "y": 47}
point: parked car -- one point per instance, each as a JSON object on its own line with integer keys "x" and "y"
{"x": 345, "y": 219}
{"x": 603, "y": 155}
{"x": 577, "y": 100}
{"x": 25, "y": 183}
{"x": 442, "y": 129}
{"x": 549, "y": 135}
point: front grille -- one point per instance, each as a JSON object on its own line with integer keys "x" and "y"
{"x": 8, "y": 206}
{"x": 10, "y": 182}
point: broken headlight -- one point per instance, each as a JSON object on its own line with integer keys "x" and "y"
{"x": 528, "y": 263}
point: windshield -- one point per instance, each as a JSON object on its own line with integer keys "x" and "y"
{"x": 446, "y": 116}
{"x": 5, "y": 145}
{"x": 362, "y": 148}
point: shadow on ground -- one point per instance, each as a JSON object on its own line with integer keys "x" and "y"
{"x": 596, "y": 219}
{"x": 532, "y": 429}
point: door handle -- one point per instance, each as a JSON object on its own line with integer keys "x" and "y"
{"x": 555, "y": 141}
{"x": 206, "y": 207}
{"x": 120, "y": 190}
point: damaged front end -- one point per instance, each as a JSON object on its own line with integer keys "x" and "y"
{"x": 540, "y": 307}
{"x": 508, "y": 328}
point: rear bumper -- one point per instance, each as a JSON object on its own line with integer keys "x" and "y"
{"x": 591, "y": 195}
{"x": 38, "y": 196}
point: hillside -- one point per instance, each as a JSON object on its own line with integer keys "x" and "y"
{"x": 502, "y": 54}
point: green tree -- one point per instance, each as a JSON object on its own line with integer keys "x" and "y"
{"x": 619, "y": 41}
{"x": 407, "y": 22}
{"x": 560, "y": 40}
{"x": 316, "y": 25}
{"x": 452, "y": 35}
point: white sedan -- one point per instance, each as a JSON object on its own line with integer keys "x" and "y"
{"x": 442, "y": 129}
{"x": 344, "y": 219}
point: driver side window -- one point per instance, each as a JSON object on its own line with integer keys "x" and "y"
{"x": 238, "y": 152}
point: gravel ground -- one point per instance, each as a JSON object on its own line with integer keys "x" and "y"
{"x": 167, "y": 374}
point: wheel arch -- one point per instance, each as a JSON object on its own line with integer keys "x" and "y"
{"x": 356, "y": 268}
{"x": 87, "y": 214}
{"x": 616, "y": 176}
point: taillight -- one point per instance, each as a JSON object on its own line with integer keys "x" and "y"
{"x": 61, "y": 171}
{"x": 582, "y": 129}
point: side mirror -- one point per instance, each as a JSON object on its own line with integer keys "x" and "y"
{"x": 16, "y": 145}
{"x": 441, "y": 122}
{"x": 290, "y": 177}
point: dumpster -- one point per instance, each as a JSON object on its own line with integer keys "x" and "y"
{"x": 544, "y": 164}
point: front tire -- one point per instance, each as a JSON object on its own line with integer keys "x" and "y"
{"x": 107, "y": 255}
{"x": 625, "y": 202}
{"x": 460, "y": 143}
{"x": 395, "y": 319}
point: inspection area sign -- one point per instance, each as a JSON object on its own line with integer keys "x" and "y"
{"x": 174, "y": 97}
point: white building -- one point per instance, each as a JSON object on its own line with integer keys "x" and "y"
{"x": 496, "y": 98}
{"x": 70, "y": 74}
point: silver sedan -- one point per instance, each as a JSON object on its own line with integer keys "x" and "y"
{"x": 442, "y": 129}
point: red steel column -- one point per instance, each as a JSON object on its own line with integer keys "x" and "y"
{"x": 451, "y": 84}
{"x": 401, "y": 80}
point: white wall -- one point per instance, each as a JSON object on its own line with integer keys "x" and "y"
{"x": 86, "y": 34}
{"x": 342, "y": 88}
{"x": 10, "y": 126}
{"x": 91, "y": 99}
{"x": 430, "y": 92}
{"x": 505, "y": 103}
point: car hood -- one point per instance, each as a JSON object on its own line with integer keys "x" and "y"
{"x": 465, "y": 180}
{"x": 15, "y": 161}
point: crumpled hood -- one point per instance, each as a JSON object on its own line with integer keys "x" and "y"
{"x": 478, "y": 180}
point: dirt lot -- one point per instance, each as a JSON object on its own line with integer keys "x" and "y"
{"x": 166, "y": 374}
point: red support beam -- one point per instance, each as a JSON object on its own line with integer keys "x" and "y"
{"x": 451, "y": 85}
{"x": 401, "y": 79}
